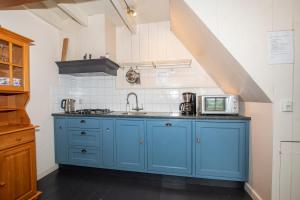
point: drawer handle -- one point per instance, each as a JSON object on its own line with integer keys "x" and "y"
{"x": 2, "y": 184}
{"x": 82, "y": 121}
{"x": 18, "y": 139}
{"x": 107, "y": 130}
{"x": 198, "y": 140}
{"x": 83, "y": 151}
{"x": 168, "y": 124}
{"x": 83, "y": 133}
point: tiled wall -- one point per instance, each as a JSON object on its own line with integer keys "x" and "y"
{"x": 100, "y": 92}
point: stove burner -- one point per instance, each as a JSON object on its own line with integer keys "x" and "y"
{"x": 92, "y": 111}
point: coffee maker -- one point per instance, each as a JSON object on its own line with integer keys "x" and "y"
{"x": 188, "y": 107}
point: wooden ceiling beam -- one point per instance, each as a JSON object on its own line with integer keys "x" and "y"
{"x": 11, "y": 3}
{"x": 48, "y": 15}
{"x": 74, "y": 12}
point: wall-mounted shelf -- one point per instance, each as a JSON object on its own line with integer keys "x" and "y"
{"x": 162, "y": 64}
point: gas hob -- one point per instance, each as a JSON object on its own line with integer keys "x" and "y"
{"x": 92, "y": 111}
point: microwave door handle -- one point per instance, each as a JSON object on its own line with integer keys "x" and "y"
{"x": 180, "y": 106}
{"x": 63, "y": 104}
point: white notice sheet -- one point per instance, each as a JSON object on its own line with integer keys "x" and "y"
{"x": 280, "y": 47}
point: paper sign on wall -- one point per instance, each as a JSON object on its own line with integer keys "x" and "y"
{"x": 281, "y": 47}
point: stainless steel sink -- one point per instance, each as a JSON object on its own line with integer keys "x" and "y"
{"x": 134, "y": 113}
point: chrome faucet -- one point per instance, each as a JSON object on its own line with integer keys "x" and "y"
{"x": 136, "y": 102}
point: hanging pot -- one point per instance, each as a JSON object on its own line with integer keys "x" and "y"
{"x": 132, "y": 76}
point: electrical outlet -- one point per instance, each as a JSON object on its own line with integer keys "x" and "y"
{"x": 286, "y": 105}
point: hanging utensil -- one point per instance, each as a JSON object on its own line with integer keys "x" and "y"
{"x": 132, "y": 76}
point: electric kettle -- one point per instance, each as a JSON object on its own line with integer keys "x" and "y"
{"x": 68, "y": 105}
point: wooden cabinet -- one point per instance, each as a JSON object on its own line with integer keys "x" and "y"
{"x": 14, "y": 62}
{"x": 169, "y": 146}
{"x": 17, "y": 134}
{"x": 221, "y": 150}
{"x": 18, "y": 166}
{"x": 130, "y": 136}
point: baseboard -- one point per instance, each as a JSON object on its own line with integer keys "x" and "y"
{"x": 46, "y": 172}
{"x": 252, "y": 192}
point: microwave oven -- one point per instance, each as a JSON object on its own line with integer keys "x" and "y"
{"x": 219, "y": 104}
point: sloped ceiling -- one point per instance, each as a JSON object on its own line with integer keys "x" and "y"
{"x": 226, "y": 71}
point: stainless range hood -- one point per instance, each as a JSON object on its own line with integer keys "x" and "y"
{"x": 90, "y": 67}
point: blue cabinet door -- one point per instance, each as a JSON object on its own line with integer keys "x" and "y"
{"x": 61, "y": 141}
{"x": 221, "y": 150}
{"x": 169, "y": 146}
{"x": 108, "y": 135}
{"x": 130, "y": 145}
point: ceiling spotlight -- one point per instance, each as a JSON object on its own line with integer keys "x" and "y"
{"x": 130, "y": 11}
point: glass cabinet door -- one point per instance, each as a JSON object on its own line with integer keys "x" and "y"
{"x": 4, "y": 51}
{"x": 17, "y": 55}
{"x": 11, "y": 64}
{"x": 4, "y": 74}
{"x": 17, "y": 65}
{"x": 17, "y": 76}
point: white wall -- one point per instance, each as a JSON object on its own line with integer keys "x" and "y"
{"x": 43, "y": 77}
{"x": 156, "y": 42}
{"x": 260, "y": 173}
{"x": 98, "y": 38}
{"x": 242, "y": 27}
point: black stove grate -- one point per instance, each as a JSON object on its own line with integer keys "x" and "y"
{"x": 92, "y": 111}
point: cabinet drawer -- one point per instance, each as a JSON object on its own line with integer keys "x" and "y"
{"x": 84, "y": 156}
{"x": 84, "y": 138}
{"x": 83, "y": 123}
{"x": 13, "y": 139}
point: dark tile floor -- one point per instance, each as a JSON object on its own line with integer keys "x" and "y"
{"x": 78, "y": 183}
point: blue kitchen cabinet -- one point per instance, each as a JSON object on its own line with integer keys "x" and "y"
{"x": 130, "y": 148}
{"x": 84, "y": 141}
{"x": 108, "y": 136}
{"x": 169, "y": 146}
{"x": 84, "y": 156}
{"x": 61, "y": 140}
{"x": 221, "y": 150}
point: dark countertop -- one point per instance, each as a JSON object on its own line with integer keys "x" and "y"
{"x": 159, "y": 115}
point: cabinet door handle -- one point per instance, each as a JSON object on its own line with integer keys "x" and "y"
{"x": 198, "y": 140}
{"x": 18, "y": 139}
{"x": 141, "y": 142}
{"x": 60, "y": 127}
{"x": 2, "y": 184}
{"x": 83, "y": 151}
{"x": 107, "y": 130}
{"x": 168, "y": 124}
{"x": 83, "y": 133}
{"x": 82, "y": 121}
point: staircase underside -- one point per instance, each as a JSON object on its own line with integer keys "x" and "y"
{"x": 211, "y": 54}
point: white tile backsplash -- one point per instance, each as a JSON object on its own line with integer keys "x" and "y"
{"x": 101, "y": 92}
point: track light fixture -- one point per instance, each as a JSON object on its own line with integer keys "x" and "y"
{"x": 130, "y": 11}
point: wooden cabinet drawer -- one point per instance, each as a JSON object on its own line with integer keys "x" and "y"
{"x": 13, "y": 139}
